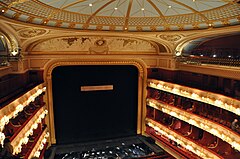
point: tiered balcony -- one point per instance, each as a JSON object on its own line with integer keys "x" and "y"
{"x": 22, "y": 122}
{"x": 214, "y": 99}
{"x": 194, "y": 111}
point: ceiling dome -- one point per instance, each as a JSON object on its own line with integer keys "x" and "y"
{"x": 129, "y": 15}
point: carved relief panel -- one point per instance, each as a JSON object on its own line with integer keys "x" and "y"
{"x": 97, "y": 45}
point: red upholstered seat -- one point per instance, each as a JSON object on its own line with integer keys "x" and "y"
{"x": 207, "y": 139}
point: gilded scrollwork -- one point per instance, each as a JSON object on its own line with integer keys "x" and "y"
{"x": 31, "y": 32}
{"x": 100, "y": 47}
{"x": 171, "y": 38}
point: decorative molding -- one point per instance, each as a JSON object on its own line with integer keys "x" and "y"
{"x": 95, "y": 61}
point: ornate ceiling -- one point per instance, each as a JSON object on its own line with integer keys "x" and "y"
{"x": 125, "y": 15}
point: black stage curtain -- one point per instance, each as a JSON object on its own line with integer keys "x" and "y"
{"x": 94, "y": 115}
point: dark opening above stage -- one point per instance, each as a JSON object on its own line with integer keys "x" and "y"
{"x": 83, "y": 116}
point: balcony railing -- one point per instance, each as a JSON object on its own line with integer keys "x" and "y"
{"x": 220, "y": 131}
{"x": 189, "y": 145}
{"x": 196, "y": 60}
{"x": 218, "y": 100}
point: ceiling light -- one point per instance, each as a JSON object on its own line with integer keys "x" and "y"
{"x": 2, "y": 10}
{"x": 90, "y": 5}
{"x": 169, "y": 6}
{"x": 193, "y": 0}
{"x": 142, "y": 9}
{"x": 115, "y": 8}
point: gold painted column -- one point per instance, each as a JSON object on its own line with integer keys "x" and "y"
{"x": 50, "y": 117}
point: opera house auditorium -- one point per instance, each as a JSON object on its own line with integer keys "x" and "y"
{"x": 119, "y": 79}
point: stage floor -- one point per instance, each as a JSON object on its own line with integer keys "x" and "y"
{"x": 120, "y": 148}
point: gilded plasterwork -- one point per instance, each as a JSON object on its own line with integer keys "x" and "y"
{"x": 31, "y": 32}
{"x": 171, "y": 38}
{"x": 100, "y": 47}
{"x": 96, "y": 45}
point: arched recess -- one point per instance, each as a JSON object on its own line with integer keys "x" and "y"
{"x": 142, "y": 78}
{"x": 10, "y": 45}
{"x": 204, "y": 34}
{"x": 12, "y": 40}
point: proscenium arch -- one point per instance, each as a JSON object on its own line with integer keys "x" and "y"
{"x": 142, "y": 78}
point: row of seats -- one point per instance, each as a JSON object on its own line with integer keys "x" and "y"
{"x": 220, "y": 85}
{"x": 32, "y": 141}
{"x": 183, "y": 153}
{"x": 18, "y": 123}
{"x": 210, "y": 112}
{"x": 193, "y": 133}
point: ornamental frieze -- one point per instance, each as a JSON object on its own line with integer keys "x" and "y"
{"x": 97, "y": 45}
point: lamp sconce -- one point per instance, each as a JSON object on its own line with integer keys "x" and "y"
{"x": 178, "y": 53}
{"x": 14, "y": 52}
